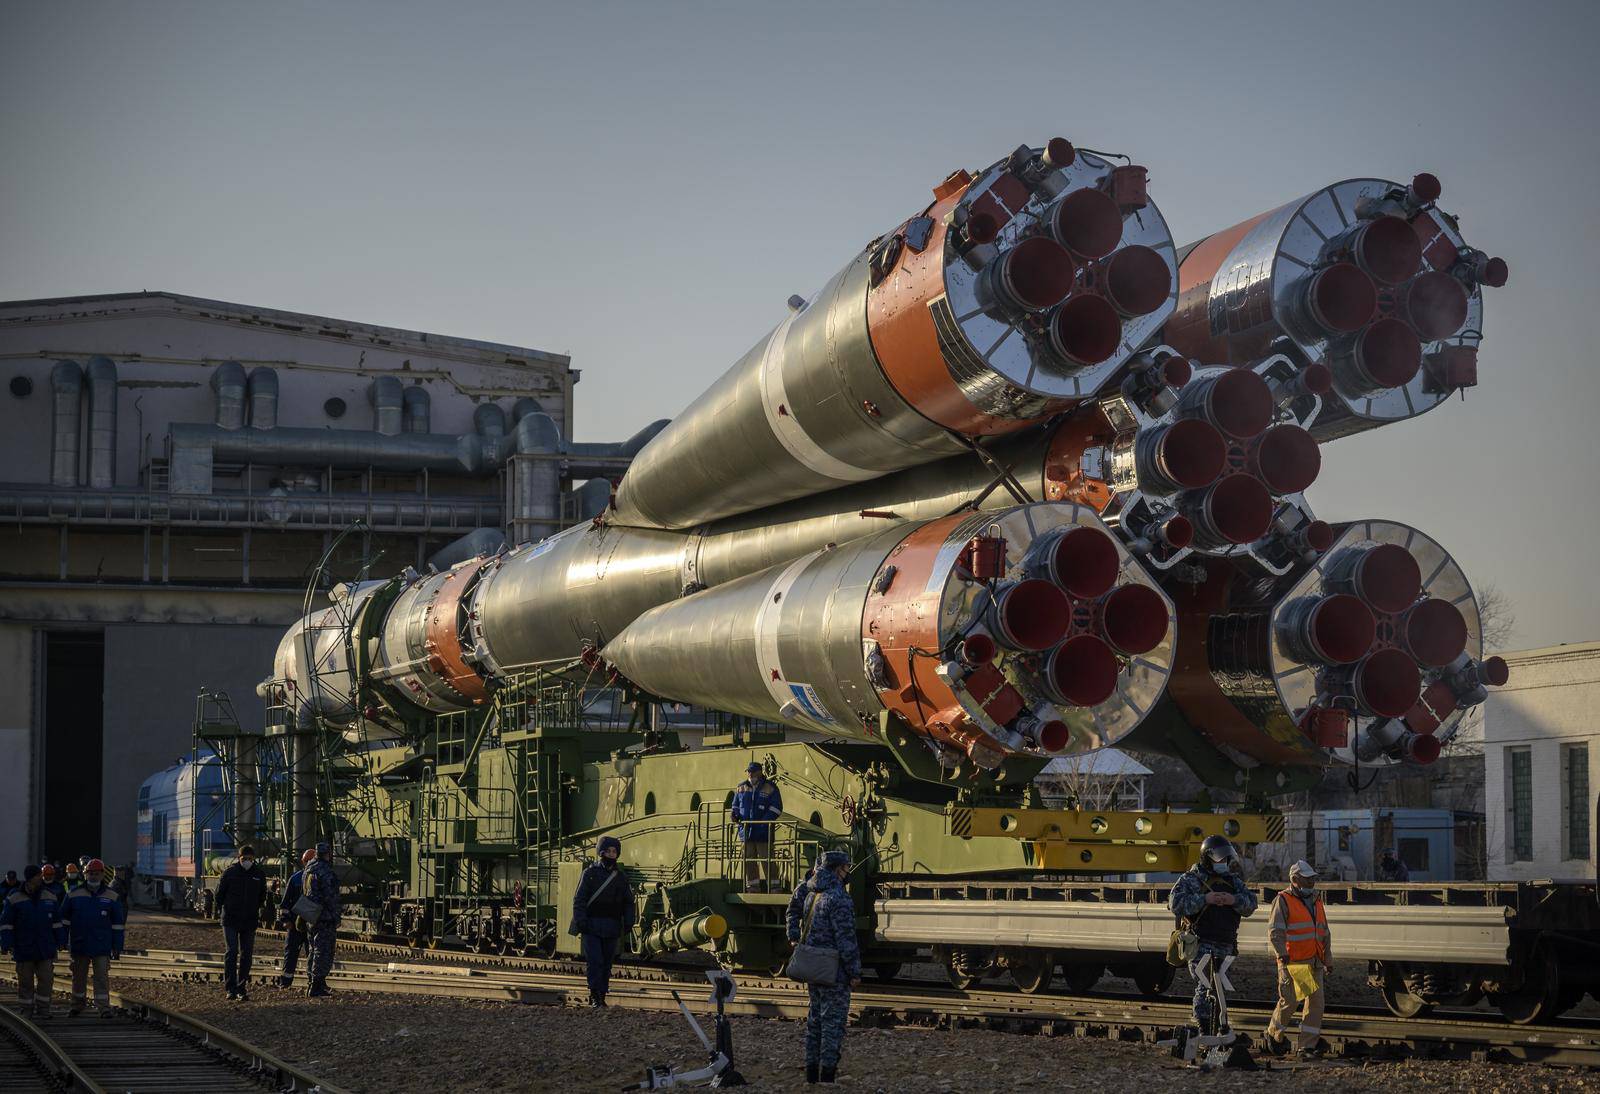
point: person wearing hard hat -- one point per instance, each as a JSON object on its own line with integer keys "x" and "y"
{"x": 1210, "y": 899}
{"x": 32, "y": 932}
{"x": 1298, "y": 932}
{"x": 95, "y": 927}
{"x": 292, "y": 926}
{"x": 603, "y": 910}
{"x": 756, "y": 804}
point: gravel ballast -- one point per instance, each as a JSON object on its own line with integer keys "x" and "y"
{"x": 372, "y": 1042}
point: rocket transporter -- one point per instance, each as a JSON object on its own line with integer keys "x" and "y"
{"x": 1020, "y": 482}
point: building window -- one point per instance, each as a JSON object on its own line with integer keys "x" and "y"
{"x": 1521, "y": 804}
{"x": 1414, "y": 853}
{"x": 1575, "y": 789}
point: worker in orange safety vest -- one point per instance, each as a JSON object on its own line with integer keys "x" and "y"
{"x": 1298, "y": 932}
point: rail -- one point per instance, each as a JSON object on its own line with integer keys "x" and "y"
{"x": 1353, "y": 1032}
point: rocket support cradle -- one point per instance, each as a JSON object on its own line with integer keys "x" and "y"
{"x": 902, "y": 499}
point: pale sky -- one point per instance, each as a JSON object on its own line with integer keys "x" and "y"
{"x": 643, "y": 185}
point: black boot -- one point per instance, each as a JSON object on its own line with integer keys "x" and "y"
{"x": 811, "y": 1073}
{"x": 826, "y": 1075}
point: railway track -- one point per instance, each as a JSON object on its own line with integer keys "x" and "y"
{"x": 1352, "y": 1032}
{"x": 141, "y": 1047}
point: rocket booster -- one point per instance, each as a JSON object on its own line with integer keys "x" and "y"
{"x": 1368, "y": 277}
{"x": 1014, "y": 295}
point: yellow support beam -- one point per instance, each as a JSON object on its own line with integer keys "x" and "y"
{"x": 1109, "y": 841}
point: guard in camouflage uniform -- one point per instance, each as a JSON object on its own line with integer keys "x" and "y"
{"x": 323, "y": 887}
{"x": 1212, "y": 897}
{"x": 832, "y": 914}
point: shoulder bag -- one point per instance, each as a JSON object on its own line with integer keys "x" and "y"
{"x": 813, "y": 964}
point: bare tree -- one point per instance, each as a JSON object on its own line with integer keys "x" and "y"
{"x": 1496, "y": 616}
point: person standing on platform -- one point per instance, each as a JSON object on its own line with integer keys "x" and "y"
{"x": 32, "y": 932}
{"x": 1391, "y": 869}
{"x": 95, "y": 927}
{"x": 1298, "y": 933}
{"x": 602, "y": 911}
{"x": 756, "y": 804}
{"x": 292, "y": 926}
{"x": 322, "y": 887}
{"x": 239, "y": 895}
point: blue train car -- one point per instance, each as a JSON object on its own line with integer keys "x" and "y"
{"x": 182, "y": 811}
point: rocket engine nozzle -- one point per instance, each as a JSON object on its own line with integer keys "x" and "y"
{"x": 1088, "y": 223}
{"x": 1082, "y": 561}
{"x": 1030, "y": 615}
{"x": 1237, "y": 401}
{"x": 1286, "y": 458}
{"x": 1236, "y": 510}
{"x": 1333, "y": 630}
{"x": 1081, "y": 672}
{"x": 1034, "y": 275}
{"x": 1387, "y": 250}
{"x": 1086, "y": 329}
{"x": 1185, "y": 455}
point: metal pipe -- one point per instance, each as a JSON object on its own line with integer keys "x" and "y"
{"x": 687, "y": 933}
{"x": 522, "y": 408}
{"x": 228, "y": 383}
{"x": 102, "y": 384}
{"x": 417, "y": 409}
{"x": 66, "y": 408}
{"x": 262, "y": 392}
{"x": 535, "y": 481}
{"x": 280, "y": 506}
{"x": 244, "y": 788}
{"x": 336, "y": 447}
{"x": 385, "y": 395}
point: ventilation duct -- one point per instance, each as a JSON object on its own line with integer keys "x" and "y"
{"x": 102, "y": 423}
{"x": 66, "y": 398}
{"x": 417, "y": 408}
{"x": 262, "y": 391}
{"x": 228, "y": 382}
{"x": 384, "y": 394}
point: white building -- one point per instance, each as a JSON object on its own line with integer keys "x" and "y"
{"x": 1106, "y": 778}
{"x": 1541, "y": 742}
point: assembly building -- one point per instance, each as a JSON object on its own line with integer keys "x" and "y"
{"x": 174, "y": 468}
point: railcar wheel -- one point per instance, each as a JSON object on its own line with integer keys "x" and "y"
{"x": 1401, "y": 1003}
{"x": 1153, "y": 978}
{"x": 1030, "y": 970}
{"x": 1538, "y": 998}
{"x": 1081, "y": 976}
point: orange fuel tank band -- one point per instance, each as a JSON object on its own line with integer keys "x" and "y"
{"x": 1189, "y": 329}
{"x": 905, "y": 617}
{"x": 443, "y": 634}
{"x": 1064, "y": 479}
{"x": 906, "y": 341}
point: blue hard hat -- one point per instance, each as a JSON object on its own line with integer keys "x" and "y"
{"x": 324, "y": 849}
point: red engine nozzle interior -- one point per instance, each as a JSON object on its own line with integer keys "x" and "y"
{"x": 1287, "y": 458}
{"x": 1342, "y": 298}
{"x": 1188, "y": 454}
{"x": 1387, "y": 577}
{"x": 1086, "y": 329}
{"x": 1031, "y": 615}
{"x": 1081, "y": 672}
{"x": 1387, "y": 683}
{"x": 1388, "y": 250}
{"x": 1133, "y": 619}
{"x": 1236, "y": 510}
{"x": 1335, "y": 630}
{"x": 1434, "y": 632}
{"x": 1084, "y": 562}
{"x": 1087, "y": 223}
{"x": 1388, "y": 353}
{"x": 1138, "y": 280}
{"x": 1436, "y": 305}
{"x": 1238, "y": 402}
{"x": 1034, "y": 275}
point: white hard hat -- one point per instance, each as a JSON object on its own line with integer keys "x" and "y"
{"x": 1303, "y": 869}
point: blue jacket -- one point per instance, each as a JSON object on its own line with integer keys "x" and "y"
{"x": 291, "y": 894}
{"x": 322, "y": 886}
{"x": 753, "y": 804}
{"x": 1212, "y": 922}
{"x": 603, "y": 905}
{"x": 31, "y": 927}
{"x": 834, "y": 922}
{"x": 95, "y": 921}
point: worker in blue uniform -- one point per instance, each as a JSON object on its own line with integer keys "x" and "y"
{"x": 95, "y": 928}
{"x": 821, "y": 913}
{"x": 756, "y": 804}
{"x": 32, "y": 932}
{"x": 322, "y": 886}
{"x": 292, "y": 926}
{"x": 602, "y": 912}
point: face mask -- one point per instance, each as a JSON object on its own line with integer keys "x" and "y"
{"x": 247, "y": 862}
{"x": 1219, "y": 867}
{"x": 1304, "y": 891}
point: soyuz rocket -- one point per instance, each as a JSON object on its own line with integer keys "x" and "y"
{"x": 1031, "y": 479}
